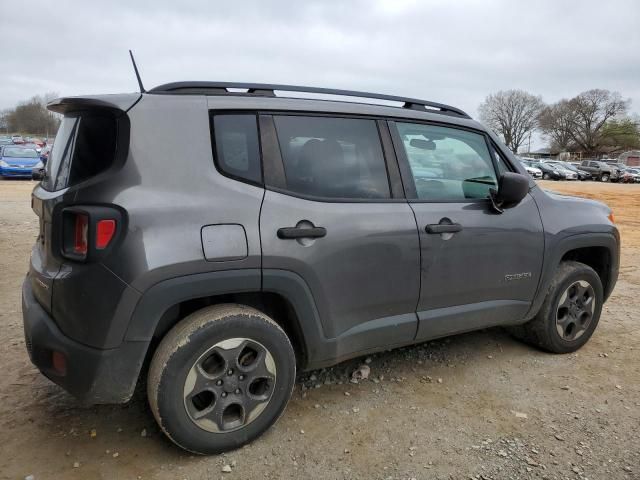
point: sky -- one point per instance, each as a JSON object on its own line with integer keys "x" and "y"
{"x": 454, "y": 52}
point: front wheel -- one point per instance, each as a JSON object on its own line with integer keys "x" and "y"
{"x": 220, "y": 378}
{"x": 605, "y": 177}
{"x": 570, "y": 312}
{"x": 546, "y": 176}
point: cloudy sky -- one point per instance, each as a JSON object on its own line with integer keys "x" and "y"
{"x": 453, "y": 52}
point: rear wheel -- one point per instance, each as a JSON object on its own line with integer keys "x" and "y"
{"x": 546, "y": 176}
{"x": 604, "y": 177}
{"x": 220, "y": 378}
{"x": 570, "y": 312}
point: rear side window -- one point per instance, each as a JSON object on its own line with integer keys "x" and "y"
{"x": 84, "y": 146}
{"x": 332, "y": 157}
{"x": 237, "y": 152}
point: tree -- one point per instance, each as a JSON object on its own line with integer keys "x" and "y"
{"x": 622, "y": 134}
{"x": 591, "y": 110}
{"x": 579, "y": 123}
{"x": 4, "y": 120}
{"x": 32, "y": 116}
{"x": 555, "y": 122}
{"x": 512, "y": 114}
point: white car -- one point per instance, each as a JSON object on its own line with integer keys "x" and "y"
{"x": 533, "y": 171}
{"x": 568, "y": 174}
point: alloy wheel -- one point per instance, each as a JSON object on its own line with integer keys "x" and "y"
{"x": 575, "y": 310}
{"x": 229, "y": 385}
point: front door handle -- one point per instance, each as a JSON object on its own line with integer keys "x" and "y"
{"x": 443, "y": 228}
{"x": 301, "y": 232}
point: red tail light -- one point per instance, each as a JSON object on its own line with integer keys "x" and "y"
{"x": 81, "y": 244}
{"x": 89, "y": 231}
{"x": 104, "y": 233}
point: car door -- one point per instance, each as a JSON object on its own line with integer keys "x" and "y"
{"x": 331, "y": 217}
{"x": 478, "y": 267}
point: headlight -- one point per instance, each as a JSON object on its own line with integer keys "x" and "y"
{"x": 3, "y": 164}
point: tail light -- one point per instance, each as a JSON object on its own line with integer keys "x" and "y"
{"x": 89, "y": 232}
{"x": 104, "y": 233}
{"x": 80, "y": 243}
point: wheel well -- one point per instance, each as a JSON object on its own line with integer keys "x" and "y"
{"x": 275, "y": 306}
{"x": 598, "y": 258}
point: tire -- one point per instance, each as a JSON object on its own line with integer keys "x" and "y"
{"x": 546, "y": 176}
{"x": 191, "y": 407}
{"x": 543, "y": 331}
{"x": 604, "y": 177}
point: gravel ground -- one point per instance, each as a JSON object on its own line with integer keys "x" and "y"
{"x": 480, "y": 405}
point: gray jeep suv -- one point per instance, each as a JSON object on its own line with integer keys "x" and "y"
{"x": 215, "y": 238}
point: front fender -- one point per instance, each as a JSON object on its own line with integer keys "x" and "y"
{"x": 556, "y": 249}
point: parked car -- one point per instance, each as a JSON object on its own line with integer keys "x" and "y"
{"x": 44, "y": 153}
{"x": 582, "y": 176}
{"x": 569, "y": 174}
{"x": 35, "y": 146}
{"x": 17, "y": 139}
{"x": 533, "y": 171}
{"x": 630, "y": 175}
{"x": 549, "y": 172}
{"x": 6, "y": 141}
{"x": 599, "y": 170}
{"x": 292, "y": 235}
{"x": 17, "y": 161}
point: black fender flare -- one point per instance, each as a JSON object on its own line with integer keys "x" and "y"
{"x": 553, "y": 257}
{"x": 155, "y": 301}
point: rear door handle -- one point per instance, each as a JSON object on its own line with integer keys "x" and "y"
{"x": 443, "y": 228}
{"x": 300, "y": 232}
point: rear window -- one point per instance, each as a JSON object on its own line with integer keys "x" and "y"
{"x": 332, "y": 157}
{"x": 85, "y": 145}
{"x": 18, "y": 152}
{"x": 236, "y": 146}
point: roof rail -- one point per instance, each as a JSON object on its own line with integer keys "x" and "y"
{"x": 268, "y": 90}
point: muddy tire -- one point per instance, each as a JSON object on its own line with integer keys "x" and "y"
{"x": 570, "y": 312}
{"x": 220, "y": 378}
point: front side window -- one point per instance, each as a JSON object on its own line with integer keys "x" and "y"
{"x": 237, "y": 150}
{"x": 447, "y": 164}
{"x": 332, "y": 157}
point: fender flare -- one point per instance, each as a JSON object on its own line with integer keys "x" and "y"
{"x": 155, "y": 301}
{"x": 610, "y": 241}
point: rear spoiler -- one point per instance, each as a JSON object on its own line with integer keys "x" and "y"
{"x": 119, "y": 103}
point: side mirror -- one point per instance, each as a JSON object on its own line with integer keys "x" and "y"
{"x": 512, "y": 188}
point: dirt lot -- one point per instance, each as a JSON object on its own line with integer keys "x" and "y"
{"x": 479, "y": 405}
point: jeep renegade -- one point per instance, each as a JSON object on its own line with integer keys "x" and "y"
{"x": 217, "y": 237}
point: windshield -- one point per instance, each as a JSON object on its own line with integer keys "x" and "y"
{"x": 17, "y": 152}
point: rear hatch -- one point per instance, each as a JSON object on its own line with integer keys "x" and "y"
{"x": 91, "y": 133}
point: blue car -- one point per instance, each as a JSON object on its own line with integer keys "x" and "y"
{"x": 18, "y": 161}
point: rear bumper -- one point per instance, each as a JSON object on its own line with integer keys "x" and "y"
{"x": 92, "y": 375}
{"x": 15, "y": 172}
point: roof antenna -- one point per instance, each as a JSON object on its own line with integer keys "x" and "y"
{"x": 135, "y": 67}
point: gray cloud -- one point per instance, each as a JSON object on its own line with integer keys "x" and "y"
{"x": 452, "y": 52}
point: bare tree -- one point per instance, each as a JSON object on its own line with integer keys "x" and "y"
{"x": 590, "y": 112}
{"x": 33, "y": 117}
{"x": 555, "y": 121}
{"x": 512, "y": 114}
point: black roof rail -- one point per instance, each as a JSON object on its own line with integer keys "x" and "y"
{"x": 268, "y": 90}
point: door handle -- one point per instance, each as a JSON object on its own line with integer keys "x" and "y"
{"x": 300, "y": 232}
{"x": 443, "y": 228}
